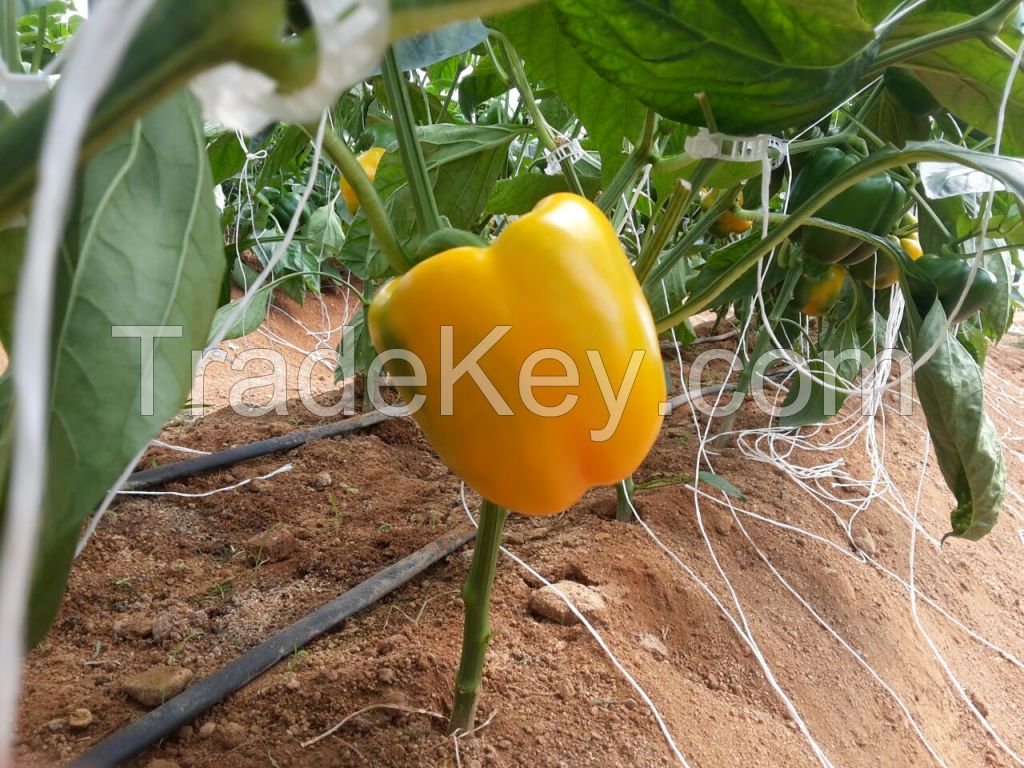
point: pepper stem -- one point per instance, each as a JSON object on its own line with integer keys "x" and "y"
{"x": 476, "y": 595}
{"x": 428, "y": 219}
{"x": 372, "y": 206}
{"x": 623, "y": 501}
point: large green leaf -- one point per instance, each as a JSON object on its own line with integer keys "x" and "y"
{"x": 764, "y": 64}
{"x": 968, "y": 77}
{"x": 608, "y": 113}
{"x": 463, "y": 162}
{"x": 518, "y": 194}
{"x": 967, "y": 447}
{"x": 142, "y": 248}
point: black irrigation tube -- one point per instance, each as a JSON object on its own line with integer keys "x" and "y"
{"x": 166, "y": 719}
{"x": 182, "y": 469}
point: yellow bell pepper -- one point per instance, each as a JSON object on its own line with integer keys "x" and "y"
{"x": 368, "y": 160}
{"x": 912, "y": 246}
{"x": 728, "y": 223}
{"x": 569, "y": 381}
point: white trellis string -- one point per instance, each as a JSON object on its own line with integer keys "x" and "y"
{"x": 215, "y": 491}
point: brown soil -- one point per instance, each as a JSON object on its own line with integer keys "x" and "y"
{"x": 552, "y": 698}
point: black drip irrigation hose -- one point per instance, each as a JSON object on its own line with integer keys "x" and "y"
{"x": 187, "y": 706}
{"x": 182, "y": 469}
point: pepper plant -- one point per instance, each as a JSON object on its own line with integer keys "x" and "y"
{"x": 524, "y": 164}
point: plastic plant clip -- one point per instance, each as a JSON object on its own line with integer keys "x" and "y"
{"x": 18, "y": 91}
{"x": 737, "y": 149}
{"x": 570, "y": 150}
{"x": 351, "y": 37}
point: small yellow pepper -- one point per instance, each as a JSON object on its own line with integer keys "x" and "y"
{"x": 570, "y": 355}
{"x": 368, "y": 160}
{"x": 912, "y": 246}
{"x": 728, "y": 223}
{"x": 815, "y": 295}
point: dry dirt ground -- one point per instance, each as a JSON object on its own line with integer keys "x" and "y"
{"x": 167, "y": 580}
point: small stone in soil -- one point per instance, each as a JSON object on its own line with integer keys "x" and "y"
{"x": 866, "y": 542}
{"x": 231, "y": 735}
{"x": 133, "y": 627}
{"x": 546, "y": 603}
{"x": 386, "y": 676}
{"x": 163, "y": 626}
{"x": 206, "y": 730}
{"x": 322, "y": 480}
{"x": 274, "y": 544}
{"x": 157, "y": 684}
{"x": 654, "y": 645}
{"x": 80, "y": 719}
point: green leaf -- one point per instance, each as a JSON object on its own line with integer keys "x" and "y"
{"x": 12, "y": 248}
{"x": 721, "y": 483}
{"x": 840, "y": 346}
{"x": 763, "y": 65}
{"x": 519, "y": 194}
{"x": 997, "y": 315}
{"x": 143, "y": 247}
{"x": 480, "y": 85}
{"x": 893, "y": 122}
{"x": 324, "y": 229}
{"x": 463, "y": 162}
{"x": 666, "y": 171}
{"x": 967, "y": 447}
{"x": 968, "y": 77}
{"x": 722, "y": 262}
{"x": 251, "y": 318}
{"x": 226, "y": 157}
{"x": 287, "y": 142}
{"x": 422, "y": 50}
{"x": 609, "y": 113}
{"x": 355, "y": 348}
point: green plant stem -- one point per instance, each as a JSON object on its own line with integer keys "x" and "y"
{"x": 637, "y": 159}
{"x": 428, "y": 219}
{"x": 369, "y": 200}
{"x": 761, "y": 346}
{"x": 984, "y": 25}
{"x": 696, "y": 229}
{"x": 9, "y": 35}
{"x": 42, "y": 20}
{"x": 623, "y": 500}
{"x": 880, "y": 161}
{"x": 518, "y": 75}
{"x": 663, "y": 229}
{"x": 476, "y": 595}
{"x": 178, "y": 40}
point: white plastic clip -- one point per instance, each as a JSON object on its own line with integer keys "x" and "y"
{"x": 570, "y": 150}
{"x": 737, "y": 149}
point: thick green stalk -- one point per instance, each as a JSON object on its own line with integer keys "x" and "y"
{"x": 983, "y": 25}
{"x": 9, "y": 48}
{"x": 518, "y": 75}
{"x": 881, "y": 161}
{"x": 369, "y": 200}
{"x": 666, "y": 225}
{"x": 695, "y": 231}
{"x": 42, "y": 20}
{"x": 476, "y": 595}
{"x": 623, "y": 500}
{"x": 428, "y": 219}
{"x": 178, "y": 40}
{"x": 637, "y": 159}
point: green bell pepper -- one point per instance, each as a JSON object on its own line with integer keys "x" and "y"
{"x": 950, "y": 278}
{"x": 873, "y": 205}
